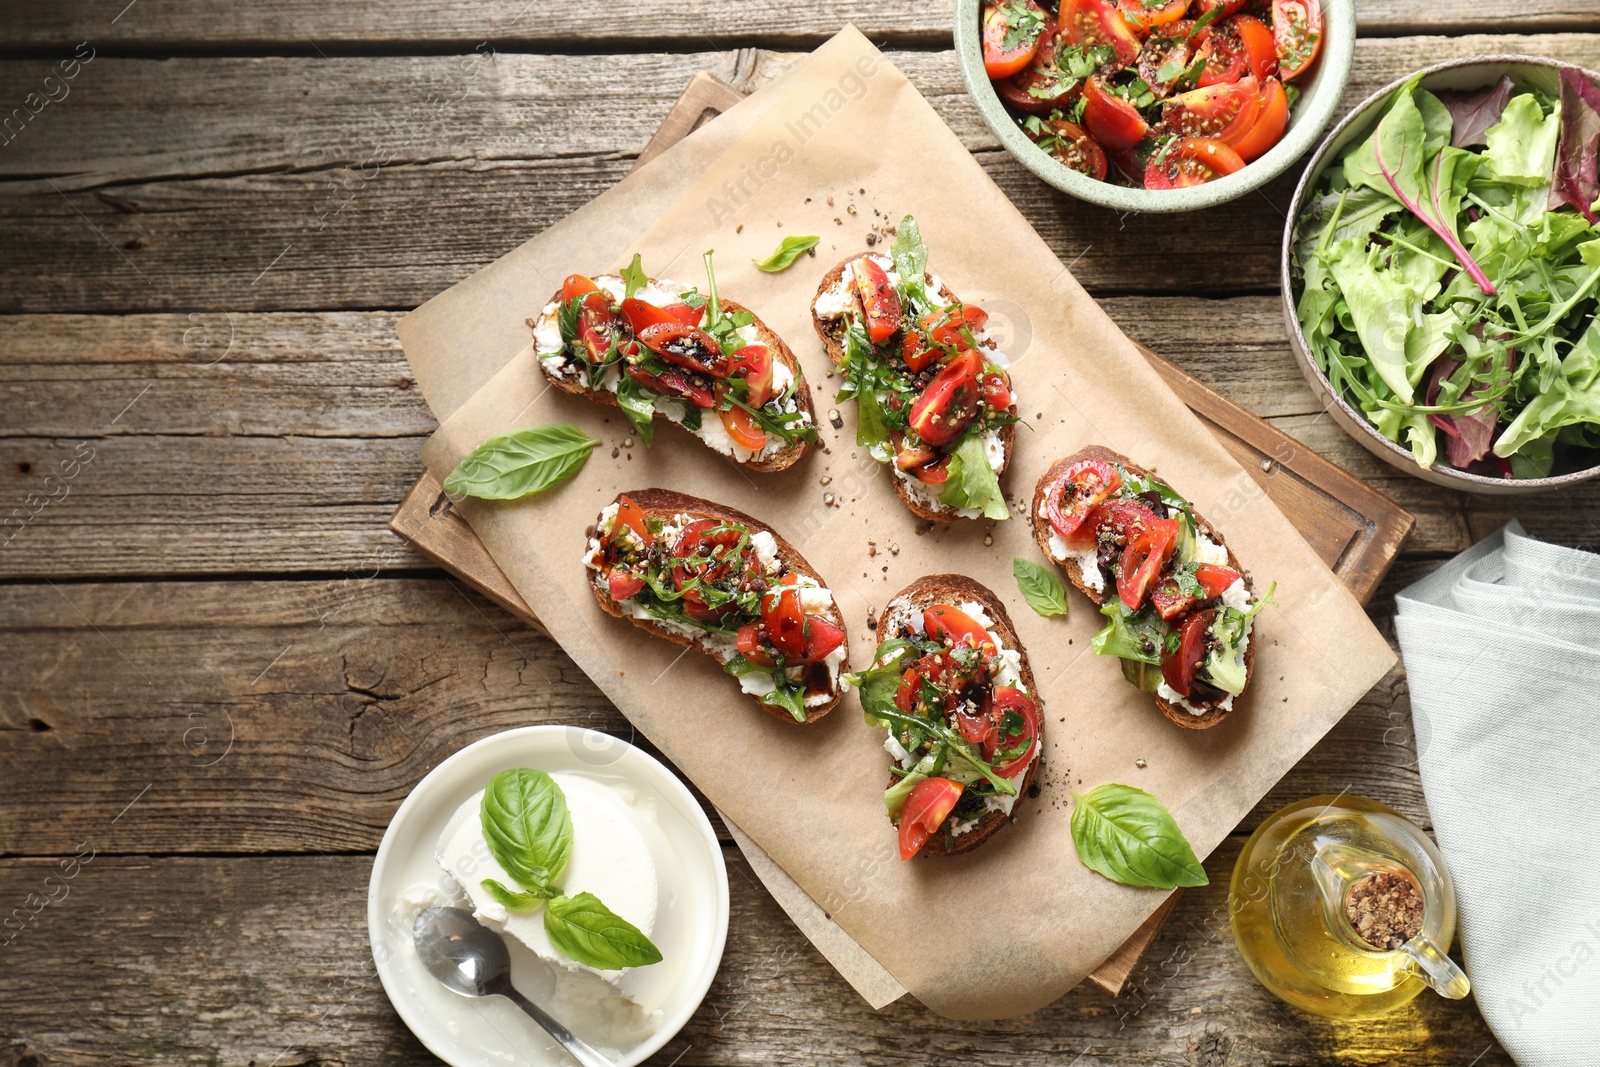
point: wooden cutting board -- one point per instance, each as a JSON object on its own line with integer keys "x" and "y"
{"x": 1356, "y": 530}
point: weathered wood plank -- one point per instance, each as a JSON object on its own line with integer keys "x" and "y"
{"x": 275, "y": 443}
{"x": 296, "y": 715}
{"x": 468, "y": 181}
{"x": 262, "y": 960}
{"x": 404, "y": 25}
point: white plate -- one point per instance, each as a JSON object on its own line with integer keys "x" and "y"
{"x": 692, "y": 918}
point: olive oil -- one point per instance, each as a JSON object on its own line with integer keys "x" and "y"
{"x": 1287, "y": 901}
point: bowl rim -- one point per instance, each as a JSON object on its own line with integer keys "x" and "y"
{"x": 1362, "y": 112}
{"x": 1339, "y": 33}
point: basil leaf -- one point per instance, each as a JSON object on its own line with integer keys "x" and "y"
{"x": 515, "y": 901}
{"x": 1129, "y": 836}
{"x": 585, "y": 930}
{"x": 639, "y": 405}
{"x": 1040, "y": 587}
{"x": 972, "y": 482}
{"x": 634, "y": 277}
{"x": 789, "y": 250}
{"x": 527, "y": 827}
{"x": 521, "y": 463}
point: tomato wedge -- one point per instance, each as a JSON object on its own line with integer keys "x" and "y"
{"x": 1043, "y": 87}
{"x": 1229, "y": 7}
{"x": 1260, "y": 47}
{"x": 950, "y": 325}
{"x": 1143, "y": 560}
{"x": 639, "y": 314}
{"x": 1171, "y": 602}
{"x": 1269, "y": 125}
{"x": 623, "y": 584}
{"x": 596, "y": 326}
{"x": 1122, "y": 520}
{"x": 632, "y": 516}
{"x": 1147, "y": 14}
{"x": 944, "y": 622}
{"x": 687, "y": 346}
{"x": 927, "y": 806}
{"x": 1069, "y": 143}
{"x": 994, "y": 385}
{"x": 1191, "y": 161}
{"x": 1112, "y": 121}
{"x": 754, "y": 364}
{"x": 1236, "y": 47}
{"x": 1011, "y": 32}
{"x": 1009, "y": 699}
{"x": 1080, "y": 489}
{"x": 1099, "y": 22}
{"x": 783, "y": 618}
{"x": 1225, "y": 111}
{"x": 743, "y": 428}
{"x": 1179, "y": 667}
{"x": 1297, "y": 29}
{"x": 878, "y": 299}
{"x": 821, "y": 638}
{"x": 1166, "y": 55}
{"x": 577, "y": 285}
{"x": 704, "y": 552}
{"x": 948, "y": 405}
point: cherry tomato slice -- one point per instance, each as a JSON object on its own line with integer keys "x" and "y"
{"x": 1191, "y": 161}
{"x": 687, "y": 346}
{"x": 1081, "y": 488}
{"x": 1297, "y": 29}
{"x": 950, "y": 324}
{"x": 934, "y": 473}
{"x": 639, "y": 314}
{"x": 673, "y": 382}
{"x": 1143, "y": 560}
{"x": 822, "y": 637}
{"x": 1007, "y": 699}
{"x": 623, "y": 584}
{"x": 1229, "y": 7}
{"x": 1113, "y": 122}
{"x": 1178, "y": 668}
{"x": 1098, "y": 22}
{"x": 1260, "y": 47}
{"x": 754, "y": 364}
{"x": 743, "y": 428}
{"x": 577, "y": 285}
{"x": 1070, "y": 144}
{"x": 1169, "y": 49}
{"x": 1269, "y": 125}
{"x": 705, "y": 552}
{"x": 916, "y": 351}
{"x": 783, "y": 619}
{"x": 1044, "y": 86}
{"x": 1170, "y": 601}
{"x": 1144, "y": 15}
{"x": 1120, "y": 521}
{"x": 943, "y": 622}
{"x": 878, "y": 299}
{"x": 948, "y": 405}
{"x": 927, "y": 806}
{"x": 1225, "y": 111}
{"x": 1011, "y": 32}
{"x": 995, "y": 387}
{"x": 596, "y": 326}
{"x": 632, "y": 516}
{"x": 1215, "y": 578}
{"x": 976, "y": 726}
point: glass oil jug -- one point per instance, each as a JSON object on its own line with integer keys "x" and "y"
{"x": 1289, "y": 902}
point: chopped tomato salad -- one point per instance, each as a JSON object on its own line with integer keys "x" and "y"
{"x": 1155, "y": 93}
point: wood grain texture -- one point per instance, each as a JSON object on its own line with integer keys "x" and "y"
{"x": 266, "y": 961}
{"x": 228, "y": 209}
{"x": 289, "y": 451}
{"x": 301, "y": 25}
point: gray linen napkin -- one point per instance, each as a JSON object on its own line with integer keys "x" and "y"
{"x": 1502, "y": 654}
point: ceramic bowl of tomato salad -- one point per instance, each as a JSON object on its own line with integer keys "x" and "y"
{"x": 1156, "y": 105}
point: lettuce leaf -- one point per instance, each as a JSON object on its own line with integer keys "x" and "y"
{"x": 1571, "y": 398}
{"x": 972, "y": 482}
{"x": 1472, "y": 113}
{"x": 1576, "y": 182}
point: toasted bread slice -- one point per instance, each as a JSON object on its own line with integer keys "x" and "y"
{"x": 711, "y": 433}
{"x": 1074, "y": 572}
{"x": 666, "y": 505}
{"x": 956, "y": 589}
{"x": 923, "y": 501}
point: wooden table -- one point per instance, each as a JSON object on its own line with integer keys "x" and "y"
{"x": 221, "y": 673}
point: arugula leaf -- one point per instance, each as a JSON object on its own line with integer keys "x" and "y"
{"x": 639, "y": 405}
{"x": 972, "y": 482}
{"x": 513, "y": 900}
{"x": 1571, "y": 397}
{"x": 520, "y": 463}
{"x": 584, "y": 929}
{"x": 634, "y": 277}
{"x": 527, "y": 827}
{"x": 1129, "y": 836}
{"x": 953, "y": 742}
{"x": 911, "y": 263}
{"x": 788, "y": 250}
{"x": 785, "y": 695}
{"x": 1040, "y": 587}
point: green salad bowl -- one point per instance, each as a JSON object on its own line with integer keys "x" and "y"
{"x": 1475, "y": 72}
{"x": 1319, "y": 100}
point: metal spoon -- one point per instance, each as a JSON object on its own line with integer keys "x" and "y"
{"x": 470, "y": 959}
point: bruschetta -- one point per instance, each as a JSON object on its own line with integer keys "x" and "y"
{"x": 933, "y": 396}
{"x": 1181, "y": 608}
{"x": 951, "y": 683}
{"x": 654, "y": 347}
{"x": 717, "y": 581}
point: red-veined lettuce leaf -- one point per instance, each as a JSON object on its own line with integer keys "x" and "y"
{"x": 1577, "y": 177}
{"x": 1472, "y": 113}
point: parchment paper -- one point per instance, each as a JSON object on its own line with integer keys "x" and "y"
{"x": 850, "y": 127}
